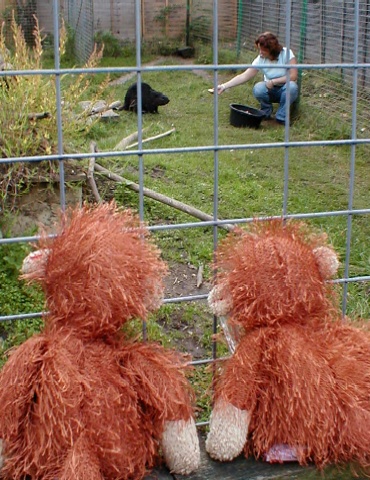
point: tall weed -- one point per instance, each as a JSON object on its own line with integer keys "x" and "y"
{"x": 24, "y": 95}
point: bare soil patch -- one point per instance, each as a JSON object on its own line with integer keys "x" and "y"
{"x": 40, "y": 206}
{"x": 162, "y": 60}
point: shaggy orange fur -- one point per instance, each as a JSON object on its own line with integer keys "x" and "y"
{"x": 78, "y": 400}
{"x": 301, "y": 370}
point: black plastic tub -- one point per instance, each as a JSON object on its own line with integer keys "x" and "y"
{"x": 245, "y": 116}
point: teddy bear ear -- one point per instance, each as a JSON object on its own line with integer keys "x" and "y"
{"x": 327, "y": 261}
{"x": 33, "y": 266}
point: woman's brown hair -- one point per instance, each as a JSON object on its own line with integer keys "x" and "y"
{"x": 269, "y": 41}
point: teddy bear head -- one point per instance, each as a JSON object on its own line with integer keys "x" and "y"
{"x": 99, "y": 270}
{"x": 274, "y": 274}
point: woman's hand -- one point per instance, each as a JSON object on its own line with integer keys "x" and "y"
{"x": 220, "y": 89}
{"x": 270, "y": 84}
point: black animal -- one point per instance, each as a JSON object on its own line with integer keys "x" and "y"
{"x": 151, "y": 99}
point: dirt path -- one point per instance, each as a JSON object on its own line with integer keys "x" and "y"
{"x": 159, "y": 61}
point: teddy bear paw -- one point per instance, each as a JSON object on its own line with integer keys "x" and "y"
{"x": 35, "y": 262}
{"x": 219, "y": 301}
{"x": 180, "y": 445}
{"x": 327, "y": 261}
{"x": 228, "y": 431}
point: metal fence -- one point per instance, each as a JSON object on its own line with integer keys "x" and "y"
{"x": 80, "y": 17}
{"x": 353, "y": 142}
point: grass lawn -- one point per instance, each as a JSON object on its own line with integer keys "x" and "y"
{"x": 250, "y": 180}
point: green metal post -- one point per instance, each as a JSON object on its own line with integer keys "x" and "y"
{"x": 302, "y": 41}
{"x": 187, "y": 23}
{"x": 239, "y": 27}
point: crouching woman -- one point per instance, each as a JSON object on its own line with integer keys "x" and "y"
{"x": 272, "y": 60}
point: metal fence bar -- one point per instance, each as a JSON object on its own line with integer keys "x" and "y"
{"x": 202, "y": 224}
{"x": 207, "y": 148}
{"x": 216, "y": 152}
{"x": 189, "y": 68}
{"x": 287, "y": 122}
{"x": 59, "y": 102}
{"x": 352, "y": 165}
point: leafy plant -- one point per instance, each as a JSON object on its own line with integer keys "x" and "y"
{"x": 28, "y": 96}
{"x": 164, "y": 14}
{"x": 110, "y": 43}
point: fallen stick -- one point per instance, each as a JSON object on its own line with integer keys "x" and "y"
{"x": 127, "y": 140}
{"x": 115, "y": 105}
{"x": 200, "y": 276}
{"x": 39, "y": 116}
{"x": 90, "y": 174}
{"x": 149, "y": 139}
{"x": 105, "y": 107}
{"x": 194, "y": 212}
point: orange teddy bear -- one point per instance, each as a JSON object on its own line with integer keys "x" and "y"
{"x": 298, "y": 383}
{"x": 79, "y": 400}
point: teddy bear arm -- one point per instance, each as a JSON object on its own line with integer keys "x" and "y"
{"x": 235, "y": 398}
{"x": 240, "y": 375}
{"x": 17, "y": 380}
{"x": 159, "y": 381}
{"x": 165, "y": 395}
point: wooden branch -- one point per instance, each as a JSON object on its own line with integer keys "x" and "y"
{"x": 96, "y": 110}
{"x": 126, "y": 141}
{"x": 194, "y": 212}
{"x": 154, "y": 138}
{"x": 115, "y": 104}
{"x": 90, "y": 174}
{"x": 39, "y": 116}
{"x": 105, "y": 107}
{"x": 200, "y": 276}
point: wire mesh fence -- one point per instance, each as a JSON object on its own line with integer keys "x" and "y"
{"x": 340, "y": 89}
{"x": 321, "y": 33}
{"x": 80, "y": 17}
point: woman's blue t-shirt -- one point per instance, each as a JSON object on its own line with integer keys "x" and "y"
{"x": 264, "y": 65}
